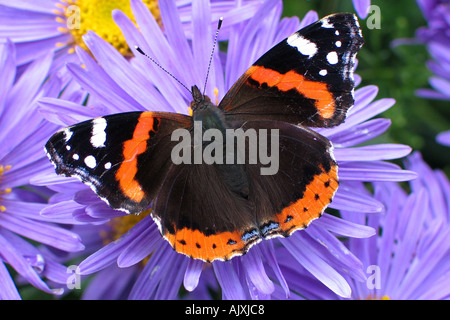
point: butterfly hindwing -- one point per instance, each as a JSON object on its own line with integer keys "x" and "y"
{"x": 123, "y": 157}
{"x": 306, "y": 79}
{"x": 304, "y": 183}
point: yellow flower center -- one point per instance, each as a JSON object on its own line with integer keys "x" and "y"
{"x": 121, "y": 225}
{"x": 4, "y": 191}
{"x": 80, "y": 16}
{"x": 375, "y": 297}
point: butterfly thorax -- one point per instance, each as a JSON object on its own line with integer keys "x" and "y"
{"x": 211, "y": 117}
{"x": 204, "y": 111}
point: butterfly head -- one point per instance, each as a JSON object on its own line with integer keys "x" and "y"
{"x": 200, "y": 101}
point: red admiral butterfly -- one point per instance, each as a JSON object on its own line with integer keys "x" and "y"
{"x": 218, "y": 211}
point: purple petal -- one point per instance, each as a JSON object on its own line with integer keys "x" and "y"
{"x": 96, "y": 81}
{"x": 439, "y": 51}
{"x": 310, "y": 17}
{"x": 174, "y": 31}
{"x": 155, "y": 44}
{"x": 150, "y": 276}
{"x": 134, "y": 83}
{"x": 66, "y": 113}
{"x": 100, "y": 210}
{"x": 351, "y": 199}
{"x": 240, "y": 57}
{"x": 8, "y": 290}
{"x": 172, "y": 277}
{"x": 24, "y": 209}
{"x": 413, "y": 217}
{"x": 360, "y": 133}
{"x": 192, "y": 276}
{"x": 55, "y": 272}
{"x": 44, "y": 233}
{"x": 44, "y": 6}
{"x": 141, "y": 247}
{"x": 8, "y": 67}
{"x": 430, "y": 180}
{"x": 201, "y": 17}
{"x": 108, "y": 254}
{"x": 441, "y": 85}
{"x": 228, "y": 280}
{"x": 368, "y": 112}
{"x": 440, "y": 69}
{"x": 162, "y": 275}
{"x": 61, "y": 212}
{"x": 268, "y": 251}
{"x": 374, "y": 171}
{"x": 335, "y": 253}
{"x": 373, "y": 152}
{"x": 21, "y": 265}
{"x": 110, "y": 284}
{"x": 343, "y": 227}
{"x": 309, "y": 259}
{"x": 431, "y": 94}
{"x": 361, "y": 7}
{"x": 363, "y": 96}
{"x": 420, "y": 274}
{"x": 256, "y": 273}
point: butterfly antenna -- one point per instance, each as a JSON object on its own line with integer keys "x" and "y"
{"x": 161, "y": 67}
{"x": 212, "y": 53}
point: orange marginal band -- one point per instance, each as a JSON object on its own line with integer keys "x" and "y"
{"x": 126, "y": 173}
{"x": 197, "y": 245}
{"x": 317, "y": 196}
{"x": 315, "y": 90}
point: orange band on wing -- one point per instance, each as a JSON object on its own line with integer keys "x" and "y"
{"x": 126, "y": 173}
{"x": 197, "y": 245}
{"x": 315, "y": 90}
{"x": 316, "y": 198}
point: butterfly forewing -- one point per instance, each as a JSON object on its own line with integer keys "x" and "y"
{"x": 306, "y": 79}
{"x": 123, "y": 157}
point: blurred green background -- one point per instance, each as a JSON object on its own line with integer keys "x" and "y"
{"x": 398, "y": 72}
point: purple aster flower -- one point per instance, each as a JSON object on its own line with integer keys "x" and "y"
{"x": 436, "y": 36}
{"x": 408, "y": 258}
{"x": 42, "y": 26}
{"x": 437, "y": 39}
{"x": 118, "y": 85}
{"x": 23, "y": 131}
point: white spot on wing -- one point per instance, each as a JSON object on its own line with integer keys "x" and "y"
{"x": 108, "y": 165}
{"x": 332, "y": 57}
{"x": 67, "y": 134}
{"x": 326, "y": 24}
{"x": 98, "y": 137}
{"x": 90, "y": 162}
{"x": 323, "y": 72}
{"x": 75, "y": 156}
{"x": 338, "y": 44}
{"x": 303, "y": 45}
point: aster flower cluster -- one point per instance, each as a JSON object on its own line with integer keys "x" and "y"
{"x": 20, "y": 159}
{"x": 436, "y": 36}
{"x": 54, "y": 77}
